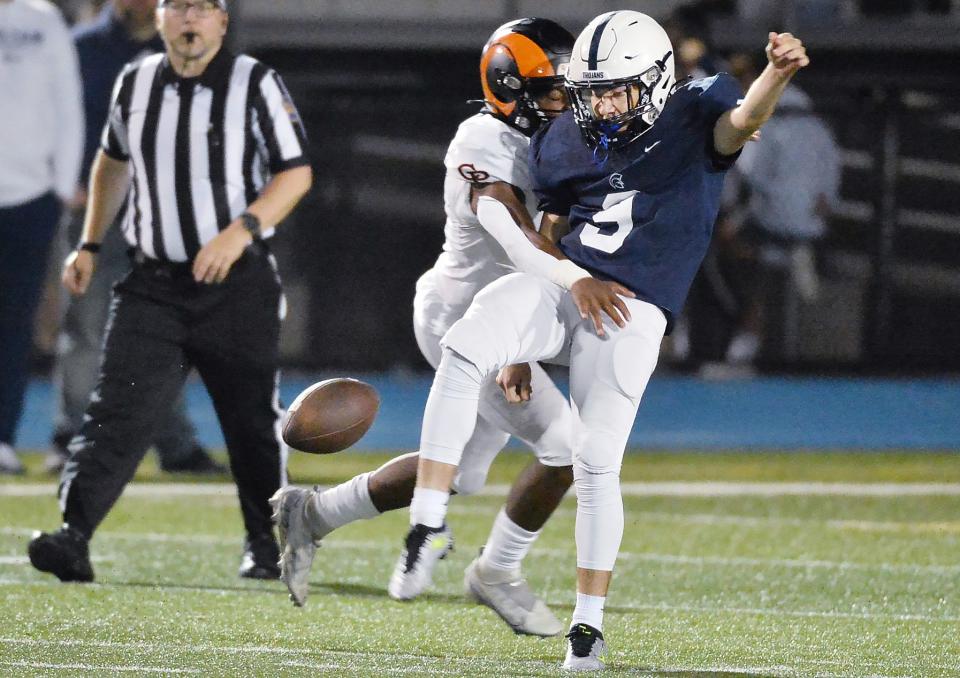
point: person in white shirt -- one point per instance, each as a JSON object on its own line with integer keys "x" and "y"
{"x": 41, "y": 143}
{"x": 793, "y": 191}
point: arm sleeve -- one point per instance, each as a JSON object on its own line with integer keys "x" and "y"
{"x": 113, "y": 140}
{"x": 280, "y": 125}
{"x": 70, "y": 120}
{"x": 496, "y": 220}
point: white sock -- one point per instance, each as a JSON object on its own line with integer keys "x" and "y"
{"x": 589, "y": 610}
{"x": 507, "y": 545}
{"x": 429, "y": 507}
{"x": 340, "y": 505}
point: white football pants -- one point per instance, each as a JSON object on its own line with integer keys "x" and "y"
{"x": 523, "y": 318}
{"x": 545, "y": 423}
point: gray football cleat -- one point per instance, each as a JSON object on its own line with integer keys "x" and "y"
{"x": 585, "y": 649}
{"x": 298, "y": 539}
{"x": 513, "y": 600}
{"x": 423, "y": 548}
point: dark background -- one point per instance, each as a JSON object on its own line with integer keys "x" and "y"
{"x": 378, "y": 124}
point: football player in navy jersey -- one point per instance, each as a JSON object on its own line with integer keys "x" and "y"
{"x": 632, "y": 175}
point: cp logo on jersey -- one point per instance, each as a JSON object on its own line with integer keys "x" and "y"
{"x": 472, "y": 174}
{"x": 616, "y": 180}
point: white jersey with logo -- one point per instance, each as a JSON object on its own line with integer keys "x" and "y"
{"x": 484, "y": 150}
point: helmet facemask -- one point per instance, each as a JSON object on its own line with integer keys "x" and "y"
{"x": 620, "y": 130}
{"x": 538, "y": 88}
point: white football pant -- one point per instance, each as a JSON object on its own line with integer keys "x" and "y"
{"x": 545, "y": 423}
{"x": 523, "y": 318}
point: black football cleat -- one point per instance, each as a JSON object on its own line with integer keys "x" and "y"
{"x": 261, "y": 558}
{"x": 585, "y": 649}
{"x": 64, "y": 553}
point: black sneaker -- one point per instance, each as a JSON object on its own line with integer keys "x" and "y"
{"x": 198, "y": 461}
{"x": 585, "y": 649}
{"x": 63, "y": 553}
{"x": 261, "y": 558}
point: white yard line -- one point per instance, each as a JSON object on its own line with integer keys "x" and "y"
{"x": 760, "y": 521}
{"x": 99, "y": 668}
{"x": 630, "y": 489}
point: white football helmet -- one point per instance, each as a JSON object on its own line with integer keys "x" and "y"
{"x": 620, "y": 49}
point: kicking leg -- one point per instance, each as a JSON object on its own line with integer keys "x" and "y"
{"x": 512, "y": 320}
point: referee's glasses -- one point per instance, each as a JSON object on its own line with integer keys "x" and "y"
{"x": 181, "y": 7}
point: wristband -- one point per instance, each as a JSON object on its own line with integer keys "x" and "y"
{"x": 251, "y": 223}
{"x": 91, "y": 247}
{"x": 565, "y": 273}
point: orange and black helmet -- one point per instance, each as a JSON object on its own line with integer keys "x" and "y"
{"x": 523, "y": 60}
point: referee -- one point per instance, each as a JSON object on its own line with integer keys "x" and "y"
{"x": 216, "y": 153}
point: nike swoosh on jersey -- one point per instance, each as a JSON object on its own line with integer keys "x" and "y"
{"x": 649, "y": 148}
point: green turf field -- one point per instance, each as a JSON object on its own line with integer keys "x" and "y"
{"x": 732, "y": 577}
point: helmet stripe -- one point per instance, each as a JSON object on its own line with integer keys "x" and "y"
{"x": 595, "y": 42}
{"x": 532, "y": 60}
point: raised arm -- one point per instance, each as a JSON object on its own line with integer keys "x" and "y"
{"x": 785, "y": 56}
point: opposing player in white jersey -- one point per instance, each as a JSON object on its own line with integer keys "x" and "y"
{"x": 523, "y": 88}
{"x": 634, "y": 173}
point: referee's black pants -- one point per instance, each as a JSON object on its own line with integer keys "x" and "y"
{"x": 162, "y": 323}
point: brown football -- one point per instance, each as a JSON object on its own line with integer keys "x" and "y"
{"x": 330, "y": 416}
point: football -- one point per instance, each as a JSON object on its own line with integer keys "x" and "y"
{"x": 330, "y": 415}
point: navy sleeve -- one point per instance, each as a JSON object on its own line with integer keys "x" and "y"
{"x": 552, "y": 196}
{"x": 719, "y": 94}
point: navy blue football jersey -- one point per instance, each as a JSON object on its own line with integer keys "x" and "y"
{"x": 641, "y": 215}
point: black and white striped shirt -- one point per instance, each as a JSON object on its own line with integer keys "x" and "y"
{"x": 200, "y": 149}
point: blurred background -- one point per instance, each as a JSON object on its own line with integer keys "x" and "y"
{"x": 838, "y": 249}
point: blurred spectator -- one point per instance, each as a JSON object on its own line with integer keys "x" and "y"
{"x": 689, "y": 29}
{"x": 124, "y": 31}
{"x": 77, "y": 11}
{"x": 41, "y": 141}
{"x": 793, "y": 188}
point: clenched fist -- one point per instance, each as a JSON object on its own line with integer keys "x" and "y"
{"x": 786, "y": 53}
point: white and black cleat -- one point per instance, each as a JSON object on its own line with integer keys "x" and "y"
{"x": 423, "y": 548}
{"x": 585, "y": 649}
{"x": 298, "y": 539}
{"x": 511, "y": 597}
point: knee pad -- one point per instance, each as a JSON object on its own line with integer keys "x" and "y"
{"x": 476, "y": 342}
{"x": 627, "y": 367}
{"x": 555, "y": 446}
{"x": 469, "y": 481}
